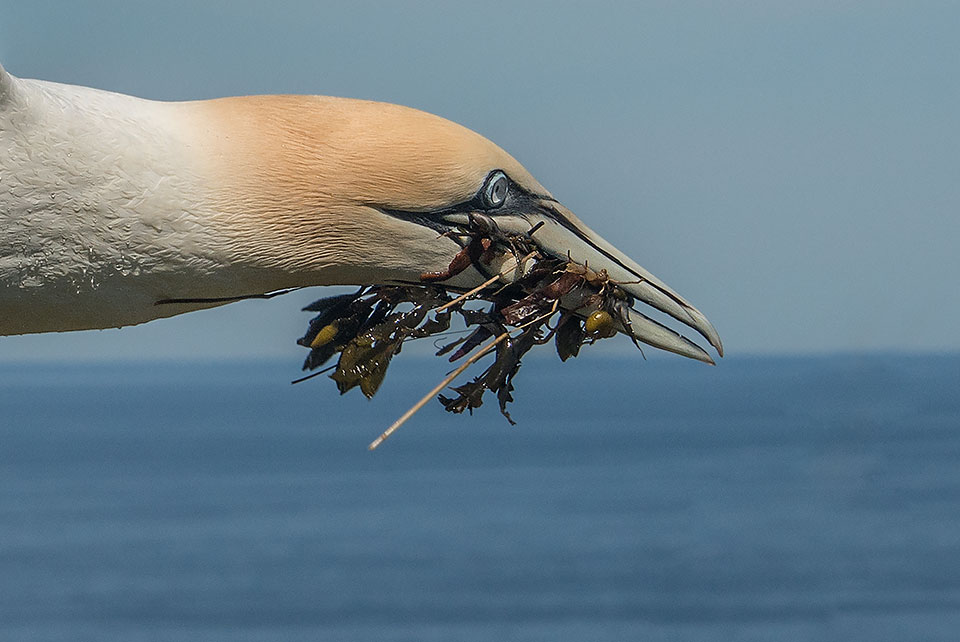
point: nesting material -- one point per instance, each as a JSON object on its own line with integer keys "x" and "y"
{"x": 367, "y": 328}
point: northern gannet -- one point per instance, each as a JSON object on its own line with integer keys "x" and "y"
{"x": 111, "y": 203}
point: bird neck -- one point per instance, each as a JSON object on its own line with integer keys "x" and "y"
{"x": 105, "y": 208}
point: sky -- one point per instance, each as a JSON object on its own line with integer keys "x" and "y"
{"x": 791, "y": 168}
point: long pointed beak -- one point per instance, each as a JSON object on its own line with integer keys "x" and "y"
{"x": 563, "y": 235}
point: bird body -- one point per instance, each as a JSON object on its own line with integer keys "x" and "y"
{"x": 111, "y": 204}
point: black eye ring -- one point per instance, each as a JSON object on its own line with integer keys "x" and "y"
{"x": 495, "y": 190}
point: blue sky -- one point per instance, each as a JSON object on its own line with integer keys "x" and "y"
{"x": 791, "y": 168}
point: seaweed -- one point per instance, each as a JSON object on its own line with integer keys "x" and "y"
{"x": 370, "y": 326}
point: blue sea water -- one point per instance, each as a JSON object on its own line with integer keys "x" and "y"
{"x": 765, "y": 499}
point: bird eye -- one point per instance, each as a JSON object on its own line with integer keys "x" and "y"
{"x": 495, "y": 191}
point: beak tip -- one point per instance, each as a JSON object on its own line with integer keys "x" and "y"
{"x": 705, "y": 328}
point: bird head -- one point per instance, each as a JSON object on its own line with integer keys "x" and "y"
{"x": 338, "y": 191}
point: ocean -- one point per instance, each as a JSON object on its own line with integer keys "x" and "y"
{"x": 768, "y": 498}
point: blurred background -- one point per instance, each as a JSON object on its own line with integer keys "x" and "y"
{"x": 790, "y": 167}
